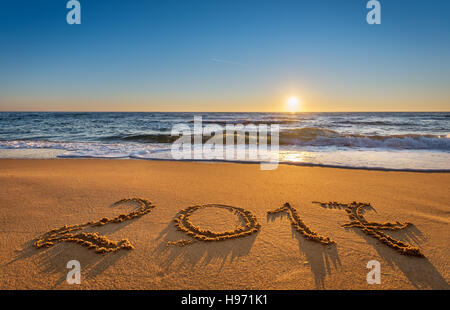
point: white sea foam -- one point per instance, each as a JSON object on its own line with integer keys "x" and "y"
{"x": 366, "y": 158}
{"x": 326, "y": 137}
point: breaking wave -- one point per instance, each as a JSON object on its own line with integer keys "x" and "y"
{"x": 326, "y": 137}
{"x": 304, "y": 137}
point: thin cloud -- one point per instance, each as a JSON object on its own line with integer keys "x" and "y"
{"x": 225, "y": 61}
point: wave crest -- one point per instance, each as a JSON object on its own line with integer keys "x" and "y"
{"x": 325, "y": 137}
{"x": 308, "y": 136}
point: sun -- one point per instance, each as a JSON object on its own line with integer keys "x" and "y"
{"x": 292, "y": 104}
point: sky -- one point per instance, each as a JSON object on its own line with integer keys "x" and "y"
{"x": 224, "y": 55}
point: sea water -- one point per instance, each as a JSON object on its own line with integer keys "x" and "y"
{"x": 392, "y": 141}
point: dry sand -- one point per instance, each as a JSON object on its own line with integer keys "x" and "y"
{"x": 39, "y": 195}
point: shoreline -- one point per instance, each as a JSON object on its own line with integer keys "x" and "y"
{"x": 49, "y": 154}
{"x": 54, "y": 193}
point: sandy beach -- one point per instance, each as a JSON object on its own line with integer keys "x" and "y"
{"x": 39, "y": 195}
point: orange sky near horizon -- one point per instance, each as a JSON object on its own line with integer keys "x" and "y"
{"x": 276, "y": 103}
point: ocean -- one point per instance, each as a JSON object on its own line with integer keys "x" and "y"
{"x": 388, "y": 141}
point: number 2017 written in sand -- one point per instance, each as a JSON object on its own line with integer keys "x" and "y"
{"x": 101, "y": 244}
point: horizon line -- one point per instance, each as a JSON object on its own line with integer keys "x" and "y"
{"x": 299, "y": 112}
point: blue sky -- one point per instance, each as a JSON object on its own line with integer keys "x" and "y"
{"x": 224, "y": 55}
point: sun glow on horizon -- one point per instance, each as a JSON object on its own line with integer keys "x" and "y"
{"x": 292, "y": 104}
